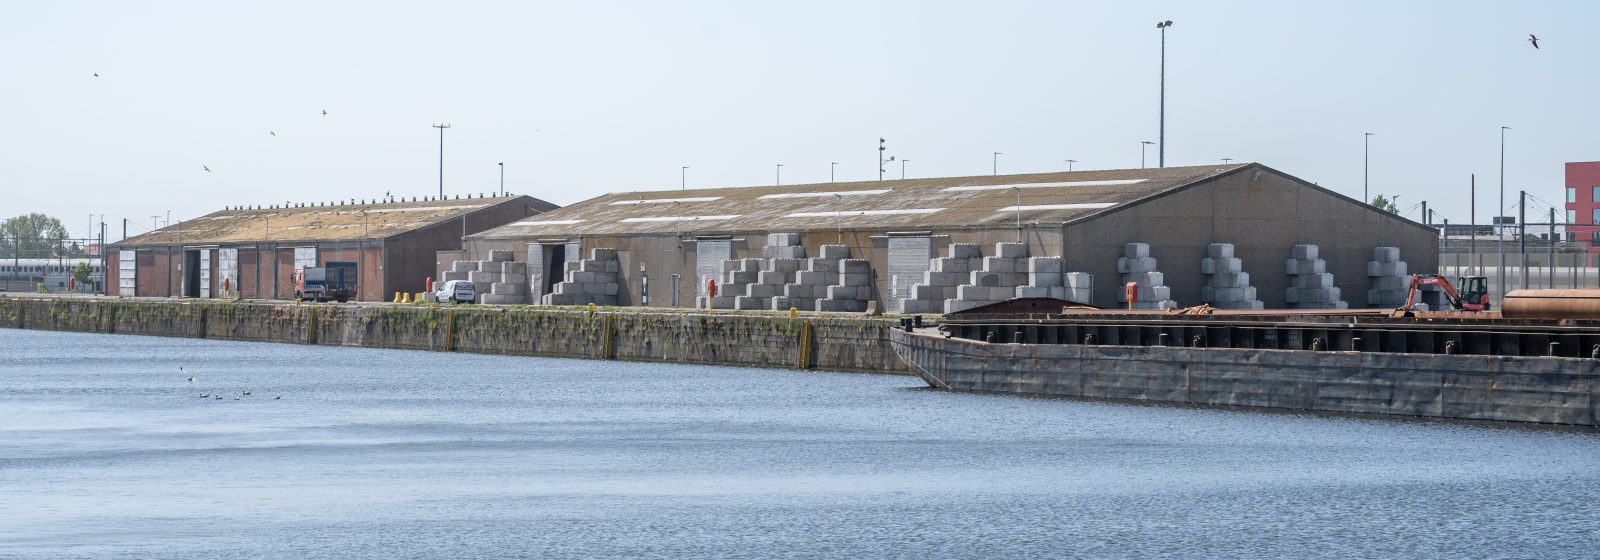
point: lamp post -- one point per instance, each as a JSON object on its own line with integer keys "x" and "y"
{"x": 780, "y": 175}
{"x": 441, "y": 128}
{"x": 881, "y": 150}
{"x": 1501, "y": 209}
{"x": 996, "y": 161}
{"x": 1018, "y": 190}
{"x": 831, "y": 166}
{"x": 1161, "y": 151}
{"x": 1069, "y": 164}
{"x": 1226, "y": 160}
{"x": 1143, "y": 145}
{"x": 502, "y": 178}
{"x": 683, "y": 174}
{"x": 1365, "y": 158}
{"x": 903, "y": 168}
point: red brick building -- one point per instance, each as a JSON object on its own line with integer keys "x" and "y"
{"x": 1583, "y": 203}
{"x": 253, "y": 252}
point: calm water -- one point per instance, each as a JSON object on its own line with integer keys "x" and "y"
{"x": 107, "y": 452}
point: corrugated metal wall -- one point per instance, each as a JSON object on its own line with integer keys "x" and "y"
{"x": 708, "y": 260}
{"x": 908, "y": 259}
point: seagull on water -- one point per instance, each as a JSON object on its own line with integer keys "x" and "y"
{"x": 236, "y": 398}
{"x": 1533, "y": 39}
{"x": 247, "y": 392}
{"x": 219, "y": 397}
{"x": 277, "y": 397}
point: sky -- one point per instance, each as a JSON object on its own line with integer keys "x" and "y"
{"x": 580, "y": 99}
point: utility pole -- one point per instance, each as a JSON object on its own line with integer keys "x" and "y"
{"x": 1069, "y": 164}
{"x": 1522, "y": 236}
{"x": 502, "y": 178}
{"x": 1019, "y": 212}
{"x": 1550, "y": 245}
{"x": 1501, "y": 226}
{"x": 1161, "y": 152}
{"x": 881, "y": 149}
{"x": 441, "y": 128}
{"x": 1426, "y": 219}
{"x": 1472, "y": 244}
{"x": 1365, "y": 158}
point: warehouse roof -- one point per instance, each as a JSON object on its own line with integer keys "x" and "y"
{"x": 910, "y": 204}
{"x": 335, "y": 222}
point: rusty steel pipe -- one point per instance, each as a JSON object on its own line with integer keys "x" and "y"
{"x": 1552, "y": 304}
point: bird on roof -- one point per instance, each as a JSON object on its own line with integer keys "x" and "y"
{"x": 1533, "y": 39}
{"x": 208, "y": 169}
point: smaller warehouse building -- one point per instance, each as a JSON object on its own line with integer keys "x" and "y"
{"x": 253, "y": 252}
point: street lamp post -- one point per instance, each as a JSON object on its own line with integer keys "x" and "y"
{"x": 1227, "y": 160}
{"x": 831, "y": 166}
{"x": 903, "y": 168}
{"x": 1365, "y": 158}
{"x": 1499, "y": 210}
{"x": 996, "y": 162}
{"x": 502, "y": 178}
{"x": 1018, "y": 190}
{"x": 1069, "y": 164}
{"x": 1143, "y": 145}
{"x": 683, "y": 175}
{"x": 441, "y": 128}
{"x": 780, "y": 175}
{"x": 881, "y": 150}
{"x": 1161, "y": 151}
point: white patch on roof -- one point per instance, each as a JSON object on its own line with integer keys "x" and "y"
{"x": 418, "y": 208}
{"x": 1078, "y": 206}
{"x": 823, "y": 194}
{"x": 862, "y": 213}
{"x": 661, "y": 200}
{"x": 1106, "y": 183}
{"x": 680, "y": 218}
{"x": 547, "y": 223}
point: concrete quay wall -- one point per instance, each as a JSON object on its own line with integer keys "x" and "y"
{"x": 762, "y": 340}
{"x": 1549, "y": 390}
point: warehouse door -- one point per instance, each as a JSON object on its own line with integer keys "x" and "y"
{"x": 908, "y": 259}
{"x": 127, "y": 267}
{"x": 191, "y": 273}
{"x": 708, "y": 257}
{"x": 205, "y": 273}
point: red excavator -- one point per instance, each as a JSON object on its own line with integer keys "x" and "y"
{"x": 1474, "y": 294}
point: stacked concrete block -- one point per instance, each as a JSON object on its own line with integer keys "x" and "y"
{"x": 1389, "y": 279}
{"x": 996, "y": 281}
{"x": 942, "y": 278}
{"x": 783, "y": 246}
{"x": 852, "y": 291}
{"x": 592, "y": 280}
{"x": 1310, "y": 285}
{"x": 1137, "y": 266}
{"x": 1227, "y": 285}
{"x": 810, "y": 283}
{"x": 733, "y": 282}
{"x": 459, "y": 270}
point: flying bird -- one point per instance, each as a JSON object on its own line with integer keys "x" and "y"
{"x": 191, "y": 375}
{"x": 1533, "y": 39}
{"x": 208, "y": 169}
{"x": 272, "y": 133}
{"x": 96, "y": 74}
{"x": 324, "y": 112}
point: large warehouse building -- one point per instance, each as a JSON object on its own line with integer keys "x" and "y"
{"x": 254, "y": 252}
{"x": 1183, "y": 235}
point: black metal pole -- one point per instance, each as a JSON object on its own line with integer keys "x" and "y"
{"x": 1522, "y": 236}
{"x": 1161, "y": 149}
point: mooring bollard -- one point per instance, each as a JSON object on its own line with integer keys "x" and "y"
{"x": 1317, "y": 345}
{"x": 917, "y": 321}
{"x": 1449, "y": 347}
{"x": 1594, "y": 353}
{"x": 1196, "y": 341}
{"x": 1016, "y": 337}
{"x": 1161, "y": 339}
{"x": 1088, "y": 339}
{"x": 990, "y": 338}
{"x": 1355, "y": 344}
{"x": 1555, "y": 349}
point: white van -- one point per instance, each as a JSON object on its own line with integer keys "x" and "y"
{"x": 461, "y": 291}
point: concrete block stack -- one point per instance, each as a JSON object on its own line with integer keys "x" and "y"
{"x": 1047, "y": 277}
{"x": 1137, "y": 266}
{"x": 943, "y": 276}
{"x": 1310, "y": 284}
{"x": 852, "y": 291}
{"x": 996, "y": 281}
{"x": 737, "y": 275}
{"x": 459, "y": 270}
{"x": 1390, "y": 280}
{"x": 1227, "y": 284}
{"x": 811, "y": 281}
{"x": 784, "y": 257}
{"x": 591, "y": 280}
